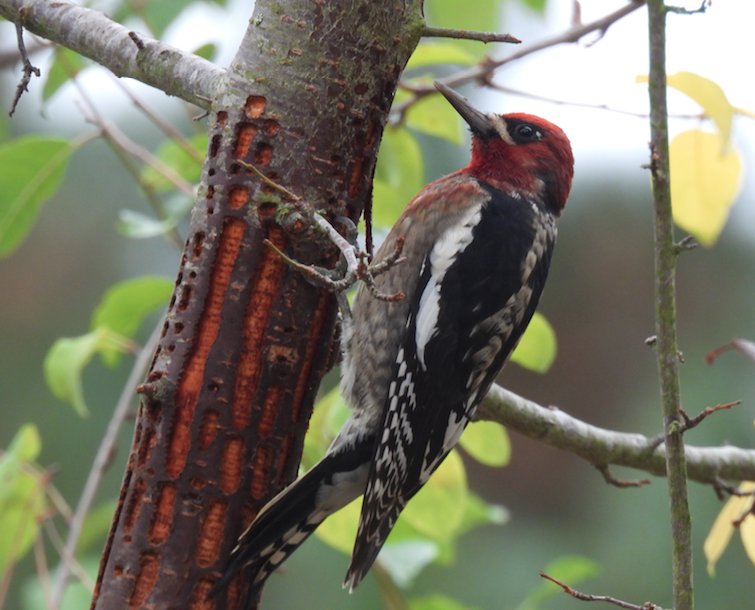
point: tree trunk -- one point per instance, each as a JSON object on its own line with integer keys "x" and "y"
{"x": 247, "y": 340}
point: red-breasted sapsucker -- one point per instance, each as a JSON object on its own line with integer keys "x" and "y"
{"x": 478, "y": 244}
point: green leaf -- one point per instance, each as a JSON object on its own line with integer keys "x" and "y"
{"x": 487, "y": 442}
{"x": 433, "y": 53}
{"x": 536, "y": 5}
{"x": 478, "y": 512}
{"x": 537, "y": 349}
{"x": 66, "y": 64}
{"x": 22, "y": 497}
{"x": 436, "y": 117}
{"x": 481, "y": 15}
{"x": 436, "y": 601}
{"x": 140, "y": 226}
{"x": 33, "y": 168}
{"x": 159, "y": 14}
{"x": 399, "y": 176}
{"x": 434, "y": 514}
{"x": 188, "y": 166}
{"x": 405, "y": 560}
{"x": 124, "y": 307}
{"x": 65, "y": 362}
{"x": 569, "y": 569}
{"x": 25, "y": 446}
{"x": 206, "y": 51}
{"x": 438, "y": 508}
{"x": 704, "y": 183}
{"x": 96, "y": 527}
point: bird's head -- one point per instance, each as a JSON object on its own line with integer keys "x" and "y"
{"x": 518, "y": 152}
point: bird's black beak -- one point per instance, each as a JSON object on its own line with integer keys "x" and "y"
{"x": 477, "y": 120}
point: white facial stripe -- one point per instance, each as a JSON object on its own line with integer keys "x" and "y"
{"x": 499, "y": 124}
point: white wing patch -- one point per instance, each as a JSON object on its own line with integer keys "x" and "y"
{"x": 445, "y": 252}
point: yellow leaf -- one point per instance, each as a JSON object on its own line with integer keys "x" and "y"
{"x": 747, "y": 531}
{"x": 709, "y": 95}
{"x": 723, "y": 527}
{"x": 704, "y": 183}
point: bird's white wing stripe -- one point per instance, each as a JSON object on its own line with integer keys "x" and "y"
{"x": 445, "y": 252}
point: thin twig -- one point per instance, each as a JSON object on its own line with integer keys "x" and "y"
{"x": 743, "y": 346}
{"x": 43, "y": 570}
{"x": 620, "y": 483}
{"x": 483, "y": 71}
{"x": 347, "y": 250}
{"x": 607, "y": 108}
{"x": 722, "y": 488}
{"x": 101, "y": 461}
{"x": 691, "y": 422}
{"x": 271, "y": 183}
{"x": 168, "y": 129}
{"x": 355, "y": 271}
{"x": 680, "y": 10}
{"x": 586, "y": 597}
{"x": 73, "y": 564}
{"x": 122, "y": 146}
{"x": 28, "y": 68}
{"x": 486, "y": 37}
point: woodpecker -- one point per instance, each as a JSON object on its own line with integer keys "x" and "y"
{"x": 477, "y": 247}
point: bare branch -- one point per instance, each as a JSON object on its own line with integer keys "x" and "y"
{"x": 691, "y": 422}
{"x": 94, "y": 35}
{"x": 485, "y": 37}
{"x": 483, "y": 72}
{"x": 680, "y": 10}
{"x": 586, "y": 597}
{"x": 28, "y": 69}
{"x": 620, "y": 483}
{"x": 560, "y": 430}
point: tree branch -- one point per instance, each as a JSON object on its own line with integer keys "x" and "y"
{"x": 485, "y": 37}
{"x": 666, "y": 252}
{"x": 96, "y": 36}
{"x": 483, "y": 71}
{"x": 599, "y": 446}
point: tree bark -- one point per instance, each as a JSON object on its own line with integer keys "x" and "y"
{"x": 247, "y": 340}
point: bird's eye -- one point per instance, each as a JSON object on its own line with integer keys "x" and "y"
{"x": 525, "y": 132}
